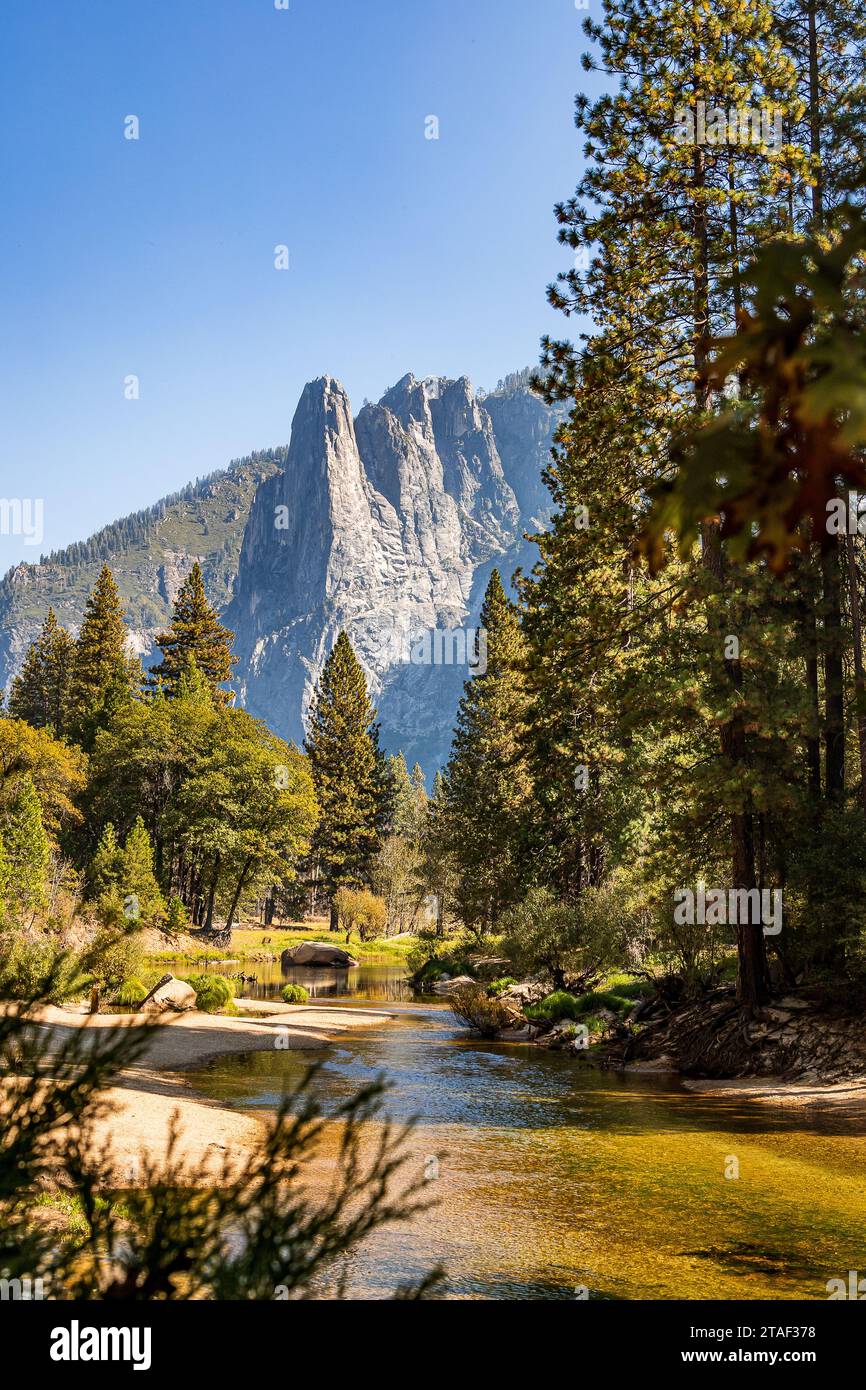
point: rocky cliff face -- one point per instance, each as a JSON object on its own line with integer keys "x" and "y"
{"x": 387, "y": 525}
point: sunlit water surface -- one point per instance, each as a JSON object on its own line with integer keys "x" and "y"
{"x": 554, "y": 1176}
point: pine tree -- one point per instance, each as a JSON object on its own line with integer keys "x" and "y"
{"x": 485, "y": 781}
{"x": 401, "y": 797}
{"x": 196, "y": 634}
{"x": 349, "y": 773}
{"x": 40, "y": 694}
{"x": 665, "y": 217}
{"x": 103, "y": 873}
{"x": 143, "y": 900}
{"x": 436, "y": 871}
{"x": 104, "y": 676}
{"x": 26, "y": 846}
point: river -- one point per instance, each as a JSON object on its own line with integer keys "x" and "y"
{"x": 556, "y": 1178}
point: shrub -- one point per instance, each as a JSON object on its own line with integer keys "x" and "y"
{"x": 561, "y": 1005}
{"x": 32, "y": 968}
{"x": 497, "y": 987}
{"x": 633, "y": 989}
{"x": 295, "y": 994}
{"x": 572, "y": 942}
{"x": 116, "y": 955}
{"x": 212, "y": 993}
{"x": 431, "y": 958}
{"x": 178, "y": 917}
{"x": 130, "y": 994}
{"x": 360, "y": 910}
{"x": 472, "y": 1006}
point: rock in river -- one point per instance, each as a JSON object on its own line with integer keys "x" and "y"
{"x": 169, "y": 993}
{"x": 317, "y": 953}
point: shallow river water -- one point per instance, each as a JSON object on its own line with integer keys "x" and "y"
{"x": 555, "y": 1176}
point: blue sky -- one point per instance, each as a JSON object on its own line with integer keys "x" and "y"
{"x": 261, "y": 127}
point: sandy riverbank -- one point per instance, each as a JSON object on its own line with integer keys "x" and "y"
{"x": 148, "y": 1093}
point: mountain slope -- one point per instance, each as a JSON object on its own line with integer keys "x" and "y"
{"x": 150, "y": 553}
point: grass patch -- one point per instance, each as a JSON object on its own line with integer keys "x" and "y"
{"x": 579, "y": 1008}
{"x": 294, "y": 994}
{"x": 248, "y": 944}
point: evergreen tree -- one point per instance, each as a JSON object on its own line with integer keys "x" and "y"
{"x": 104, "y": 676}
{"x": 196, "y": 635}
{"x": 485, "y": 782}
{"x": 40, "y": 694}
{"x": 143, "y": 900}
{"x": 666, "y": 215}
{"x": 26, "y": 845}
{"x": 419, "y": 803}
{"x": 436, "y": 870}
{"x": 104, "y": 870}
{"x": 349, "y": 773}
{"x": 401, "y": 801}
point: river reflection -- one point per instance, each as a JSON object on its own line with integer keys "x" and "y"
{"x": 555, "y": 1176}
{"x": 383, "y": 981}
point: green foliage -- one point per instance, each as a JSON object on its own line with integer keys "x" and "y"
{"x": 430, "y": 958}
{"x": 349, "y": 773}
{"x": 777, "y": 457}
{"x": 103, "y": 874}
{"x": 228, "y": 806}
{"x": 213, "y": 993}
{"x": 485, "y": 784}
{"x": 360, "y": 910}
{"x": 177, "y": 918}
{"x": 142, "y": 897}
{"x": 57, "y": 772}
{"x": 472, "y": 1006}
{"x": 40, "y": 969}
{"x": 26, "y": 847}
{"x": 115, "y": 954}
{"x": 294, "y": 994}
{"x": 40, "y": 694}
{"x": 104, "y": 677}
{"x": 571, "y": 943}
{"x": 130, "y": 994}
{"x": 497, "y": 987}
{"x": 196, "y": 641}
{"x": 560, "y": 1004}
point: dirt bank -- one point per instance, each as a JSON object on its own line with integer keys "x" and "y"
{"x": 148, "y": 1093}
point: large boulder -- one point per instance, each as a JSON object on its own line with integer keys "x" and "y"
{"x": 169, "y": 993}
{"x": 449, "y": 986}
{"x": 317, "y": 953}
